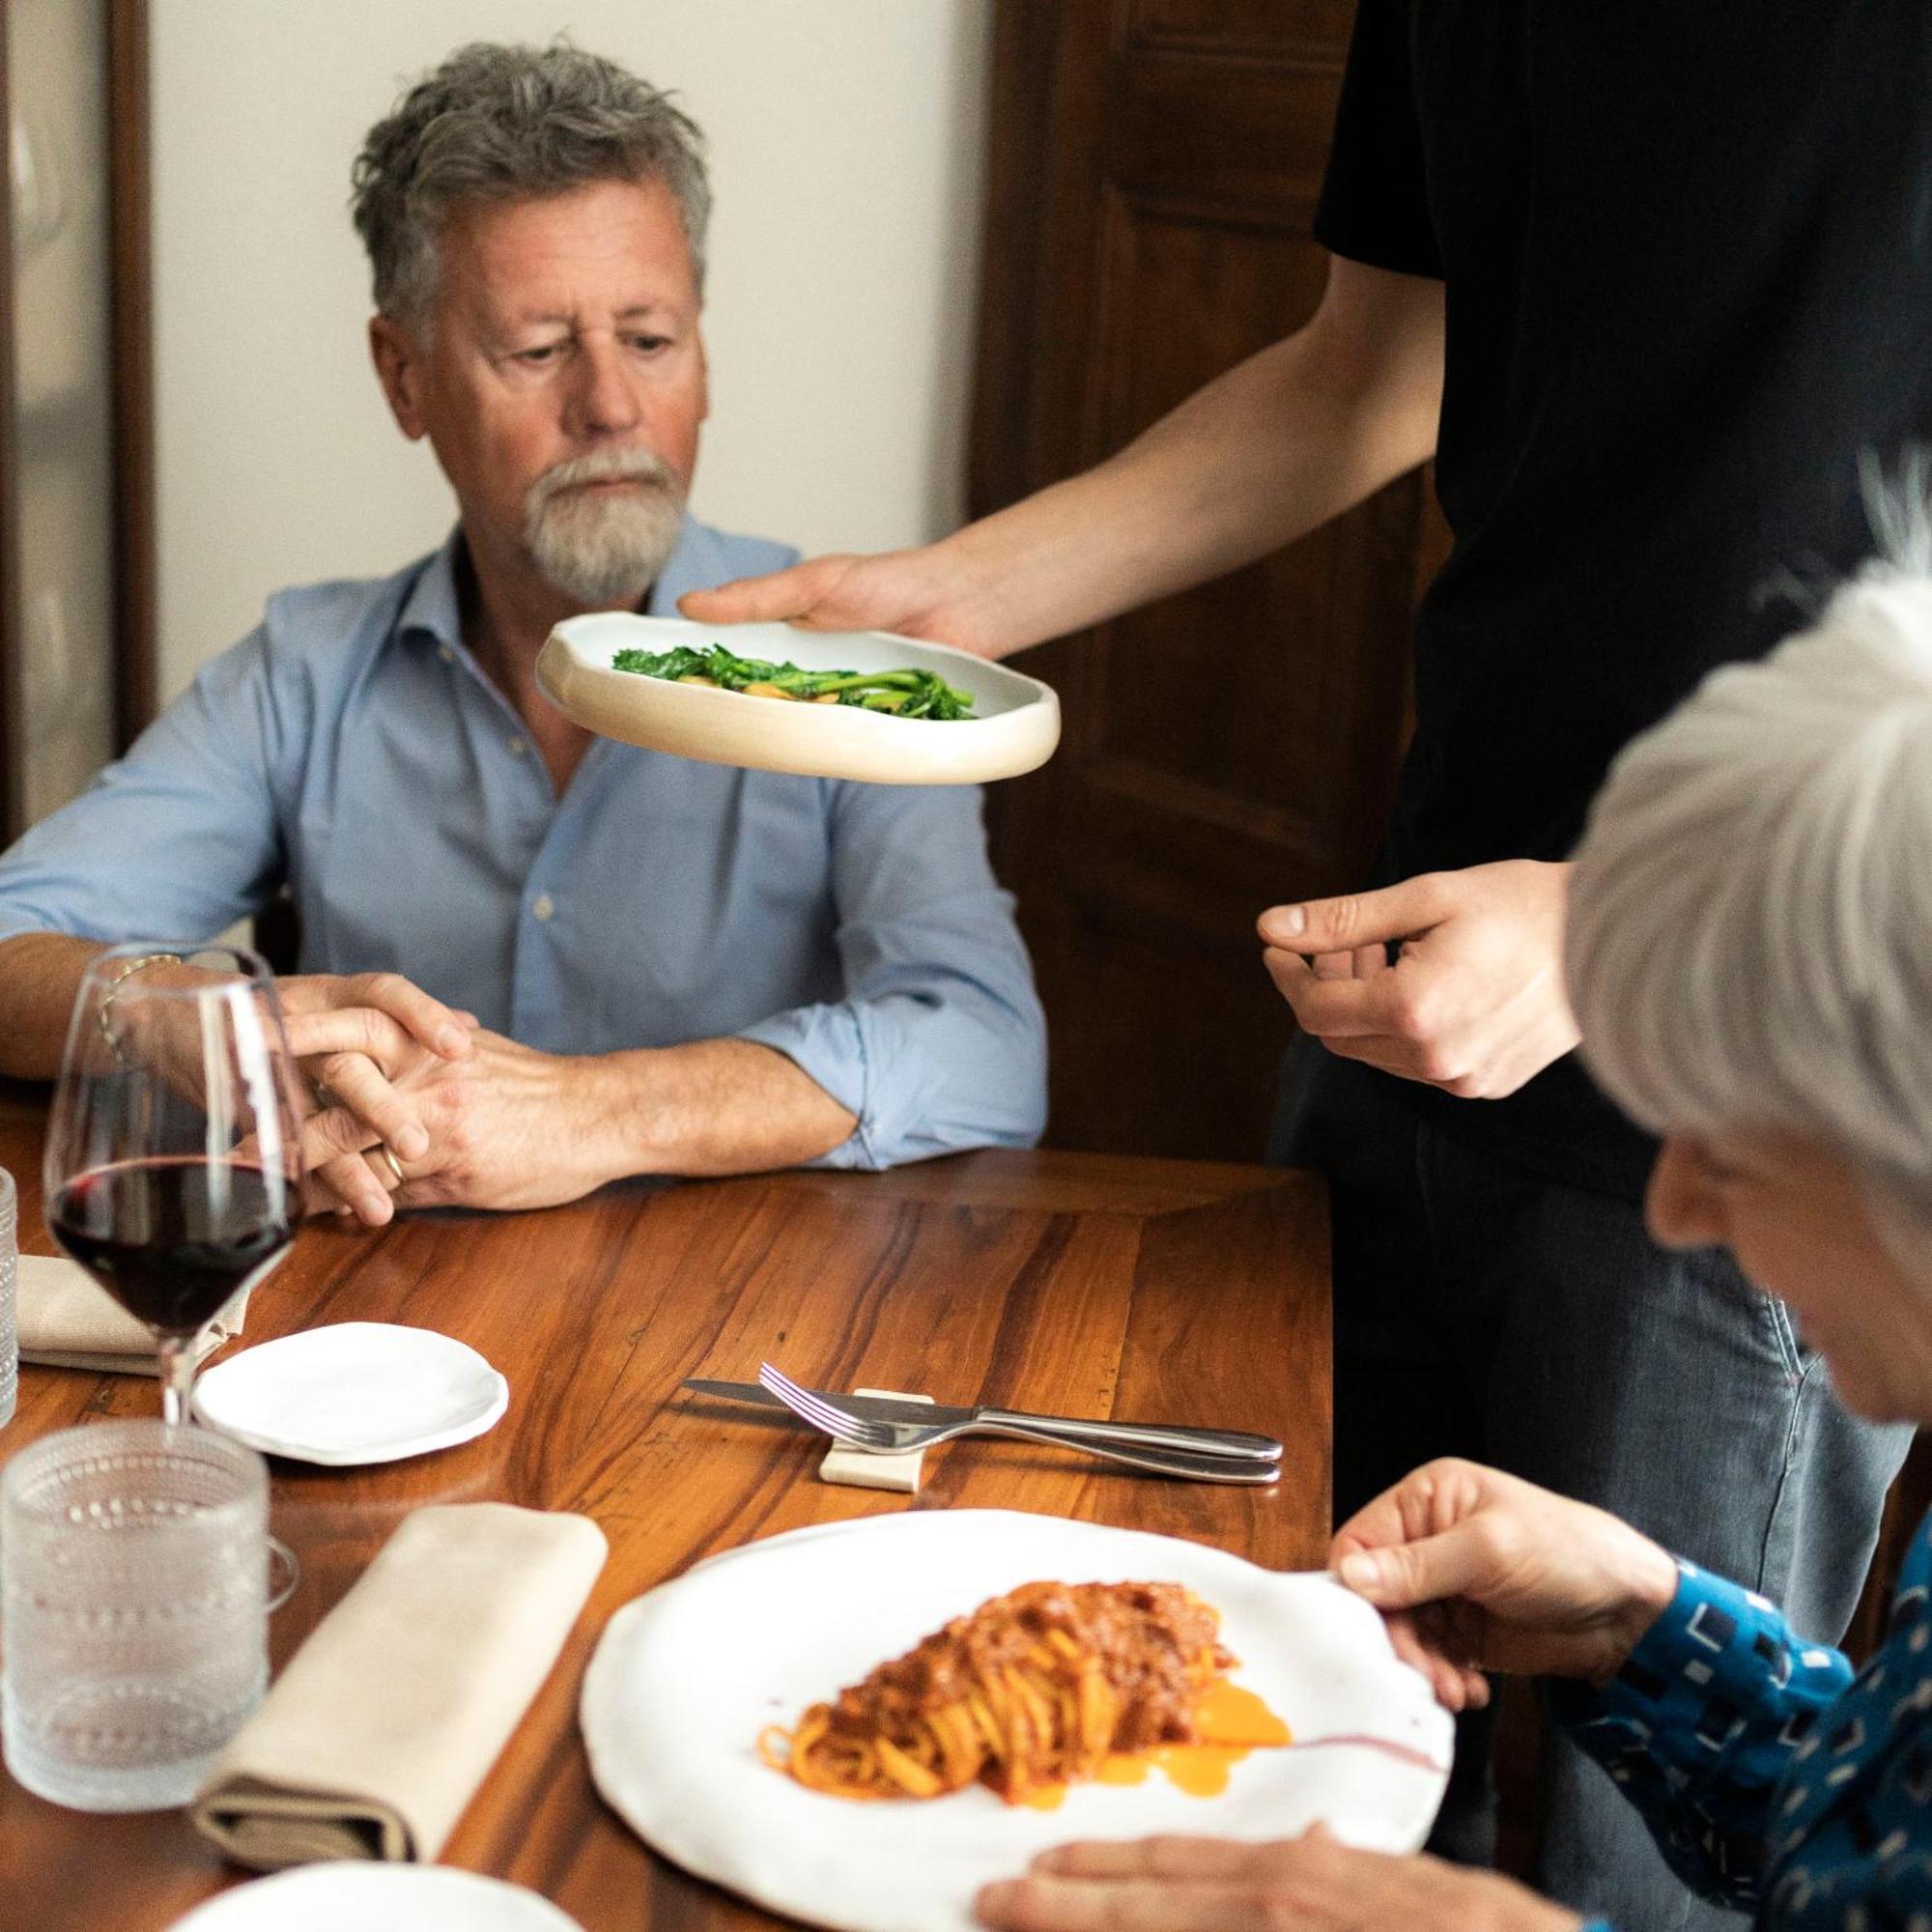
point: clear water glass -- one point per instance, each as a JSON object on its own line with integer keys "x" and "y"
{"x": 134, "y": 1584}
{"x": 9, "y": 1336}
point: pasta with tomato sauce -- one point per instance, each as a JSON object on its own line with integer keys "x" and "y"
{"x": 1033, "y": 1690}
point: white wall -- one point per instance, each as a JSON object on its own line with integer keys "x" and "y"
{"x": 846, "y": 141}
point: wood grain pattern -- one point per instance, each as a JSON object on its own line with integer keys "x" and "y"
{"x": 1065, "y": 1282}
{"x": 137, "y": 671}
{"x": 1154, "y": 167}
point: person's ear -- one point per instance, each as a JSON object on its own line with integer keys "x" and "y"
{"x": 1680, "y": 1206}
{"x": 399, "y": 368}
{"x": 703, "y": 380}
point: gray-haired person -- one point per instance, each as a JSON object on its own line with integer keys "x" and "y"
{"x": 1745, "y": 954}
{"x": 534, "y": 962}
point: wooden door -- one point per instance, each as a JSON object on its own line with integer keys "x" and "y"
{"x": 77, "y": 662}
{"x": 1154, "y": 171}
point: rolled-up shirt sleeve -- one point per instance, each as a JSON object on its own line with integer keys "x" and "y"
{"x": 939, "y": 1044}
{"x": 177, "y": 839}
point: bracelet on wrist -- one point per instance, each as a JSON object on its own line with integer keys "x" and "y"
{"x": 104, "y": 1013}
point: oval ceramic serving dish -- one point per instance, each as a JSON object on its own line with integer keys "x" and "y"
{"x": 1014, "y": 726}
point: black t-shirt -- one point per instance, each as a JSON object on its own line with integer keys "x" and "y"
{"x": 1687, "y": 249}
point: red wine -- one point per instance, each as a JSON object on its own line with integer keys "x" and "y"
{"x": 172, "y": 1239}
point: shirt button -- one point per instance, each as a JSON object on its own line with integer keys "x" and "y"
{"x": 445, "y": 653}
{"x": 542, "y": 906}
{"x": 518, "y": 747}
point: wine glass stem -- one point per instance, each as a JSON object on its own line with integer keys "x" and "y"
{"x": 177, "y": 1364}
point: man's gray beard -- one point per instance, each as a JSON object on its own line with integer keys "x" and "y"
{"x": 604, "y": 549}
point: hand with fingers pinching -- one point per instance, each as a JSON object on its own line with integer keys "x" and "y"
{"x": 1473, "y": 1000}
{"x": 1215, "y": 1885}
{"x": 1475, "y": 1571}
{"x": 356, "y": 1037}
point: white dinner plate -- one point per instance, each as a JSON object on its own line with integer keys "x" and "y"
{"x": 1014, "y": 726}
{"x": 352, "y": 1392}
{"x": 353, "y": 1896}
{"x": 685, "y": 1676}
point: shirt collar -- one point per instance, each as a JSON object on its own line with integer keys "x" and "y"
{"x": 431, "y": 609}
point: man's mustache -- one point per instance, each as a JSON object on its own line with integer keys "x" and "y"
{"x": 601, "y": 465}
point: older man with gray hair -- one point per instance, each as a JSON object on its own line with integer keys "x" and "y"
{"x": 534, "y": 962}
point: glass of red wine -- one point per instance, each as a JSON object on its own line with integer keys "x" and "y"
{"x": 173, "y": 1158}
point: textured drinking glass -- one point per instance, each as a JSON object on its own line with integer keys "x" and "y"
{"x": 134, "y": 1584}
{"x": 10, "y": 1338}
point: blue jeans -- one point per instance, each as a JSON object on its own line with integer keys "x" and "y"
{"x": 1482, "y": 1310}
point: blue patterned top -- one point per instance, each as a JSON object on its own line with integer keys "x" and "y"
{"x": 1770, "y": 1774}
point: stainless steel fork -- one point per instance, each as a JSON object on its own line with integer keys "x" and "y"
{"x": 890, "y": 1438}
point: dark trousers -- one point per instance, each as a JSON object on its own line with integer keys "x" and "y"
{"x": 1483, "y": 1311}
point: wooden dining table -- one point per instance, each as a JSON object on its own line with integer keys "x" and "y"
{"x": 1077, "y": 1283}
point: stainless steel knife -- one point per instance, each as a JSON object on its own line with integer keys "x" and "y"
{"x": 1236, "y": 1444}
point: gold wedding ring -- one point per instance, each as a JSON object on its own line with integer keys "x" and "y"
{"x": 390, "y": 1161}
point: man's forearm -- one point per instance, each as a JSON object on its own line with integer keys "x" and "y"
{"x": 1283, "y": 442}
{"x": 40, "y": 973}
{"x": 714, "y": 1106}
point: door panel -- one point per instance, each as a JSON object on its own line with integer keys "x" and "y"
{"x": 1313, "y": 27}
{"x": 1155, "y": 171}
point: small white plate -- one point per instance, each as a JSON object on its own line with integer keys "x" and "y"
{"x": 356, "y": 1898}
{"x": 685, "y": 1677}
{"x": 354, "y": 1392}
{"x": 1014, "y": 726}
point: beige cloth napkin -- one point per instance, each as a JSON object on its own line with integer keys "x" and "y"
{"x": 69, "y": 1320}
{"x": 387, "y": 1718}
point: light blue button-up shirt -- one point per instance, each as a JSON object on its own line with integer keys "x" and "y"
{"x": 352, "y": 748}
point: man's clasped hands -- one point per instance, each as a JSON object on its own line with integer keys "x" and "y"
{"x": 464, "y": 1110}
